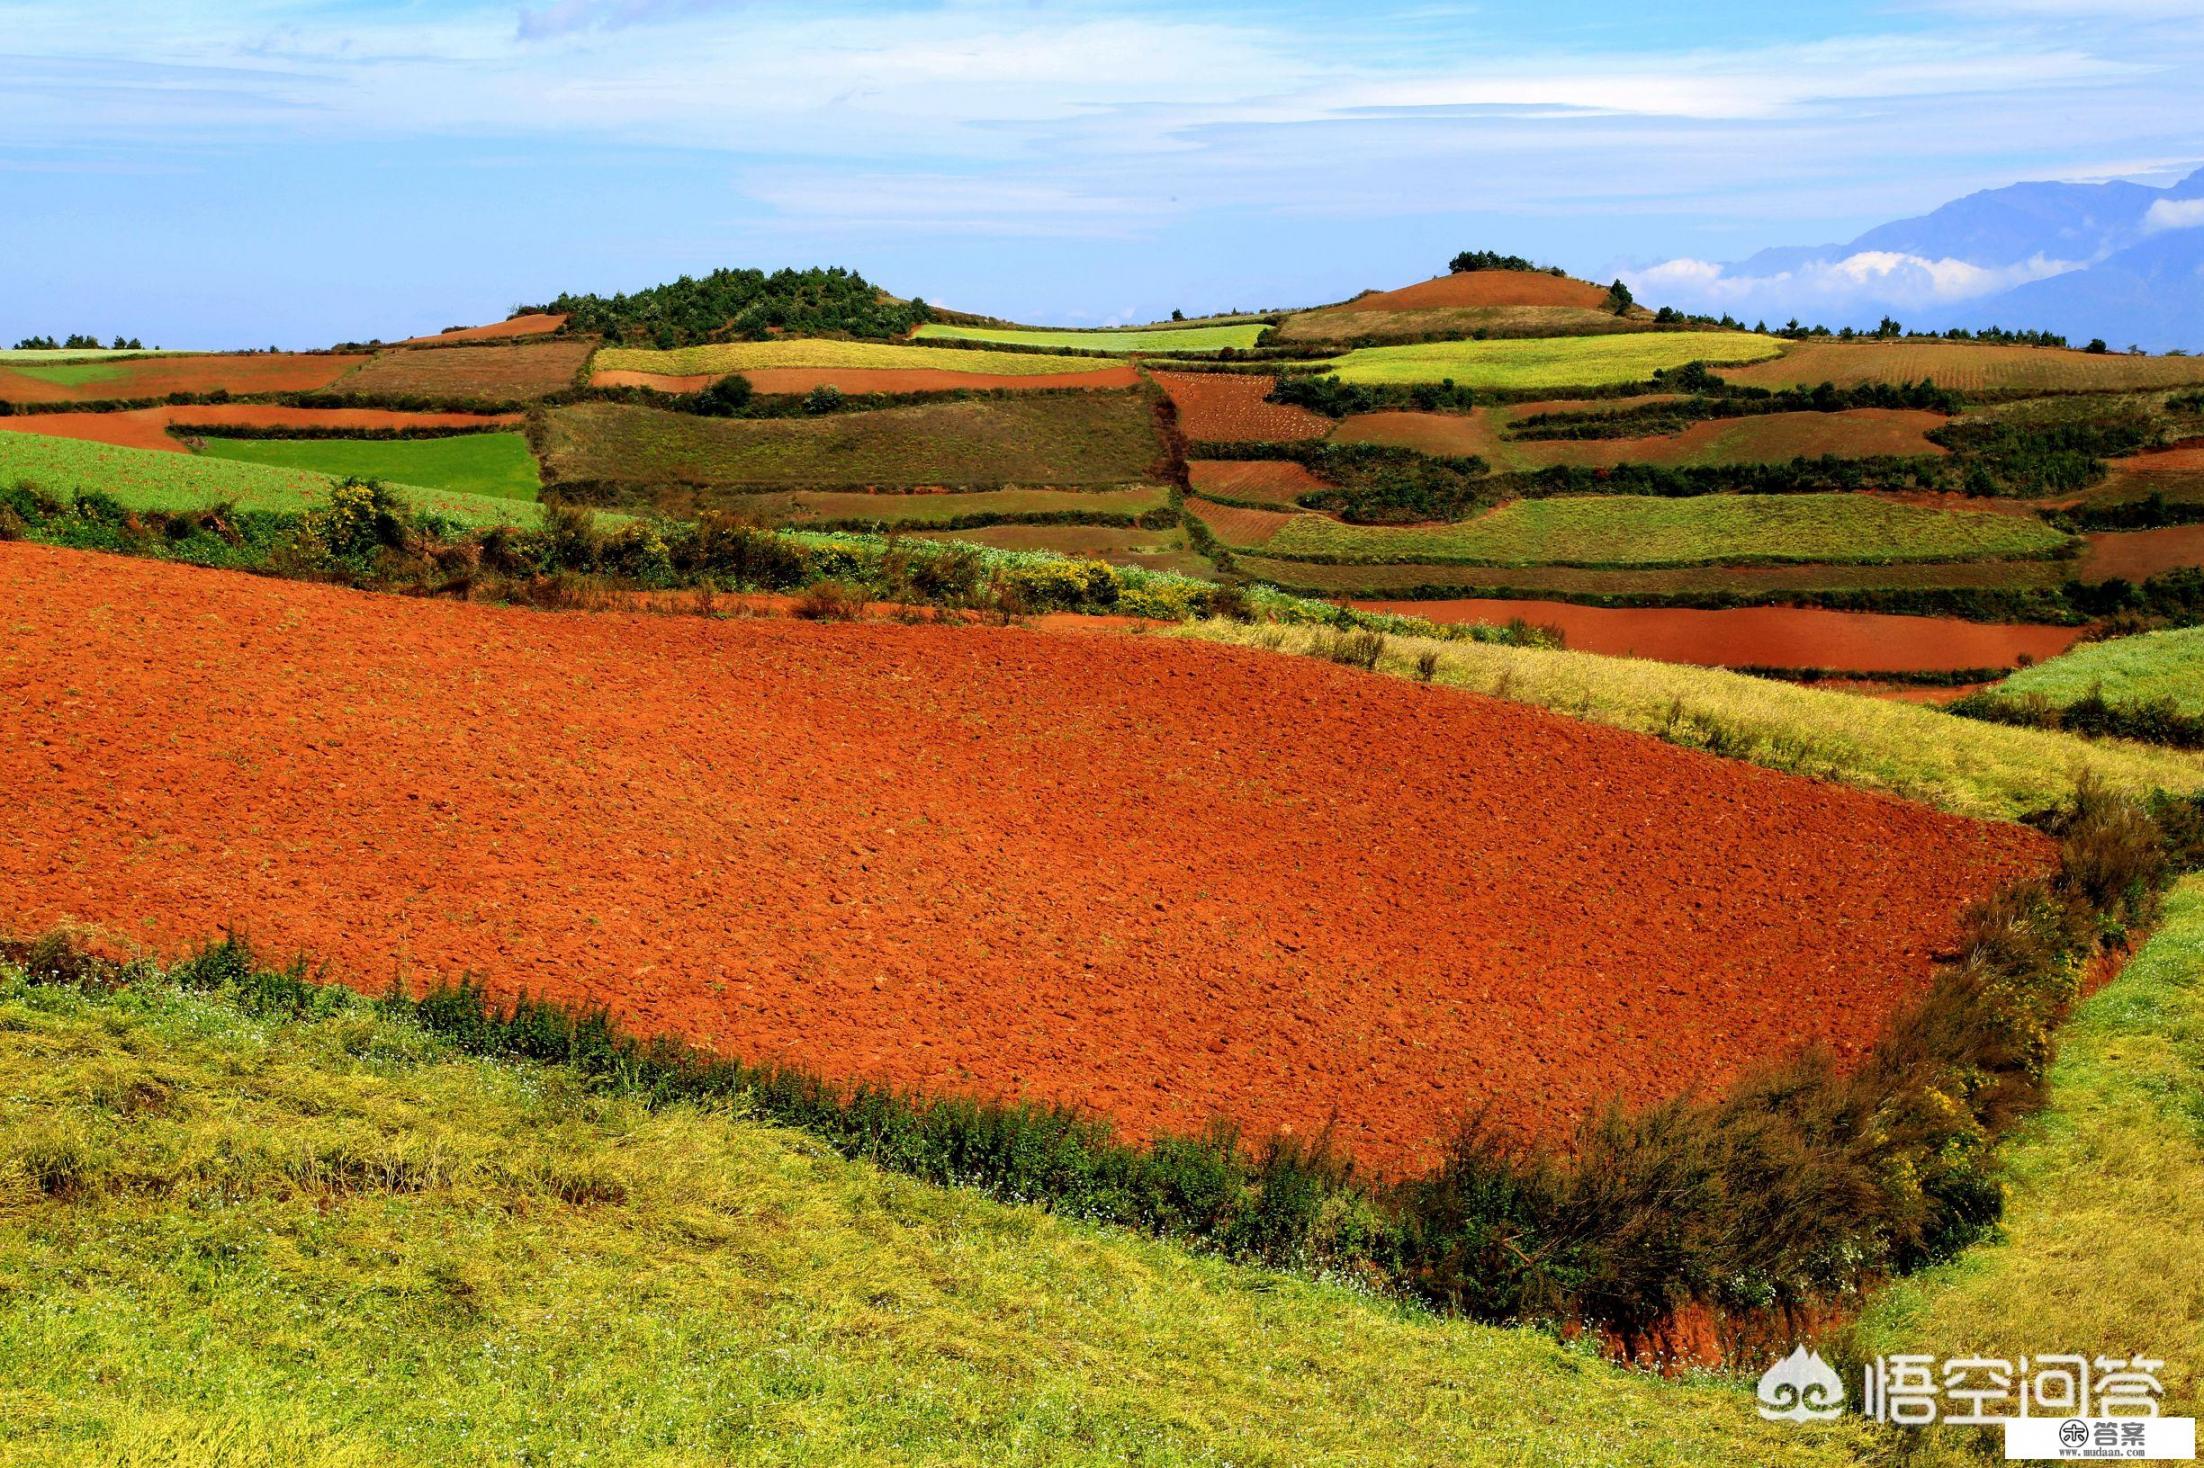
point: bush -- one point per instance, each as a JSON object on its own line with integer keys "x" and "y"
{"x": 832, "y": 601}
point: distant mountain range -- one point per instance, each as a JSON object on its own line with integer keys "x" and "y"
{"x": 2122, "y": 261}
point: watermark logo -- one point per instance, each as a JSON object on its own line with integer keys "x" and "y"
{"x": 2066, "y": 1408}
{"x": 1801, "y": 1388}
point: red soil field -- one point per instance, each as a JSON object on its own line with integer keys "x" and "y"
{"x": 1482, "y": 288}
{"x": 1136, "y": 875}
{"x": 2138, "y": 555}
{"x": 1238, "y": 525}
{"x": 1264, "y": 481}
{"x": 871, "y": 379}
{"x": 538, "y": 323}
{"x": 1766, "y": 637}
{"x": 148, "y": 428}
{"x": 155, "y": 377}
{"x": 1230, "y": 408}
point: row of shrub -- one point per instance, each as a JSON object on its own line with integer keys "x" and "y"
{"x": 1733, "y": 402}
{"x": 1325, "y": 393}
{"x": 2153, "y": 512}
{"x": 2149, "y": 721}
{"x": 369, "y": 536}
{"x": 1797, "y": 1187}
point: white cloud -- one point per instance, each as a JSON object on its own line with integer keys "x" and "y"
{"x": 1865, "y": 280}
{"x": 2168, "y": 214}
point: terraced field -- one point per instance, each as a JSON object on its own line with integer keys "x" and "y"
{"x": 2125, "y": 670}
{"x": 498, "y": 465}
{"x": 518, "y": 373}
{"x": 1223, "y": 407}
{"x": 1749, "y": 583}
{"x": 1771, "y": 438}
{"x": 1549, "y": 362}
{"x": 1967, "y": 366}
{"x": 1152, "y": 550}
{"x": 150, "y": 376}
{"x": 814, "y": 357}
{"x": 1269, "y": 482}
{"x": 1626, "y": 530}
{"x": 1495, "y": 302}
{"x": 143, "y": 479}
{"x": 1131, "y": 339}
{"x": 845, "y": 507}
{"x": 1060, "y": 439}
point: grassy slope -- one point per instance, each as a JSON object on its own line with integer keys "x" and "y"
{"x": 494, "y": 464}
{"x": 2138, "y": 669}
{"x": 1630, "y": 530}
{"x": 819, "y": 352}
{"x": 326, "y": 1241}
{"x": 1151, "y": 339}
{"x": 145, "y": 479}
{"x": 1551, "y": 362}
{"x": 1904, "y": 749}
{"x": 1064, "y": 439}
{"x": 2105, "y": 1200}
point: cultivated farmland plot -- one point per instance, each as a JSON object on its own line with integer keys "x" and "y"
{"x": 149, "y": 376}
{"x": 1138, "y": 339}
{"x": 143, "y": 479}
{"x": 1549, "y": 362}
{"x": 1632, "y": 530}
{"x": 1104, "y": 438}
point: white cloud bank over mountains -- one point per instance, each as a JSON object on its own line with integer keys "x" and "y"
{"x": 1864, "y": 279}
{"x": 2115, "y": 259}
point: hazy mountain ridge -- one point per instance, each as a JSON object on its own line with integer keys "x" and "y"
{"x": 2118, "y": 260}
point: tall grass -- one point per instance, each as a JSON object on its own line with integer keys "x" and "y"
{"x": 324, "y": 1237}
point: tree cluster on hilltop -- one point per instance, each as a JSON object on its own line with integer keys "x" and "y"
{"x": 743, "y": 305}
{"x": 1470, "y": 260}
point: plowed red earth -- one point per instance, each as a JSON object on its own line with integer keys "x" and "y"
{"x": 1482, "y": 288}
{"x": 872, "y": 379}
{"x": 149, "y": 428}
{"x": 2138, "y": 555}
{"x": 157, "y": 377}
{"x": 1159, "y": 879}
{"x": 1766, "y": 637}
{"x": 1225, "y": 407}
{"x": 1261, "y": 481}
{"x": 538, "y": 323}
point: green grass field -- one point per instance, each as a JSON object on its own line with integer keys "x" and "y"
{"x": 1067, "y": 439}
{"x": 20, "y": 357}
{"x": 2104, "y": 1192}
{"x": 728, "y": 357}
{"x": 1135, "y": 339}
{"x": 146, "y": 479}
{"x": 2140, "y": 669}
{"x": 497, "y": 465}
{"x": 1550, "y": 362}
{"x": 328, "y": 1242}
{"x": 1632, "y": 530}
{"x": 1959, "y": 765}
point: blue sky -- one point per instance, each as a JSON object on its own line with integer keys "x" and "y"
{"x": 280, "y": 172}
